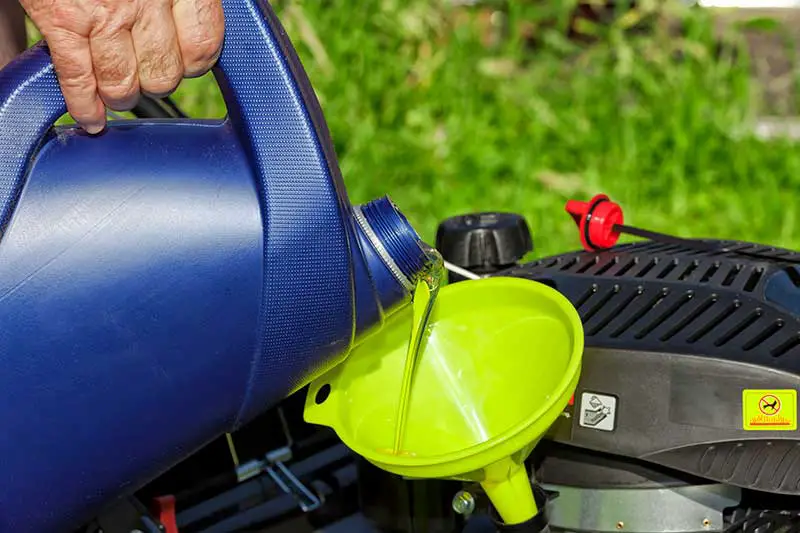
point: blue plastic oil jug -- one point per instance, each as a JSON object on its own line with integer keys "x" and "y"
{"x": 166, "y": 281}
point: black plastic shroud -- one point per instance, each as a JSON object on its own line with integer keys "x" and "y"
{"x": 662, "y": 297}
{"x": 674, "y": 335}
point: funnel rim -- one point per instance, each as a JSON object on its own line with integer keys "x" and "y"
{"x": 570, "y": 318}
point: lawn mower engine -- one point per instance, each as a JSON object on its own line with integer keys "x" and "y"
{"x": 684, "y": 420}
{"x": 685, "y": 417}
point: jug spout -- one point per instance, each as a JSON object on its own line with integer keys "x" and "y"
{"x": 393, "y": 238}
{"x": 389, "y": 256}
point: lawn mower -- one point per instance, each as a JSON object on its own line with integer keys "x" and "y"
{"x": 155, "y": 383}
{"x": 684, "y": 419}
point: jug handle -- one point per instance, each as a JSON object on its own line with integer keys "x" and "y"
{"x": 270, "y": 103}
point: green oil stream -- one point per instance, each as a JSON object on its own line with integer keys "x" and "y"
{"x": 423, "y": 299}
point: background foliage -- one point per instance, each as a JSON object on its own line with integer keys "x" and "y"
{"x": 513, "y": 106}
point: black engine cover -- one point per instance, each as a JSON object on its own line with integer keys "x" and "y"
{"x": 674, "y": 335}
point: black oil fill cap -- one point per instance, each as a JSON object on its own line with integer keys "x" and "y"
{"x": 484, "y": 242}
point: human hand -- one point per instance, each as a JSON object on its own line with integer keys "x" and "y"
{"x": 108, "y": 52}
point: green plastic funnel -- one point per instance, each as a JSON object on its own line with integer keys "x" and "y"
{"x": 499, "y": 365}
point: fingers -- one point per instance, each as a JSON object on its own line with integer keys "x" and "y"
{"x": 200, "y": 27}
{"x": 72, "y": 59}
{"x": 157, "y": 49}
{"x": 106, "y": 51}
{"x": 115, "y": 67}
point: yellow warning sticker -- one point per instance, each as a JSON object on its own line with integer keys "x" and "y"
{"x": 769, "y": 410}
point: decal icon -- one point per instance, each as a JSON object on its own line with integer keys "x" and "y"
{"x": 598, "y": 411}
{"x": 769, "y": 410}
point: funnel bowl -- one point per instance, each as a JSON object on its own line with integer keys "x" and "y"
{"x": 498, "y": 366}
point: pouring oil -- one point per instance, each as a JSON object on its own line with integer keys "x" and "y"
{"x": 423, "y": 299}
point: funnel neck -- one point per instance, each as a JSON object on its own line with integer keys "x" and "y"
{"x": 395, "y": 242}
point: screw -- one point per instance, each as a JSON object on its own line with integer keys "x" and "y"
{"x": 620, "y": 525}
{"x": 463, "y": 503}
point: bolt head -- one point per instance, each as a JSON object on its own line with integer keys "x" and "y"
{"x": 463, "y": 503}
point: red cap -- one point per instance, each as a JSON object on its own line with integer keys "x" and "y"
{"x": 596, "y": 220}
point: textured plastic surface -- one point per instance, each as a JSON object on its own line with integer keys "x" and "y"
{"x": 163, "y": 283}
{"x": 664, "y": 297}
{"x": 500, "y": 363}
{"x": 484, "y": 241}
{"x": 30, "y": 102}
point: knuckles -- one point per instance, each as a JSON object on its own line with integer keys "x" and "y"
{"x": 161, "y": 76}
{"x": 200, "y": 51}
{"x": 119, "y": 97}
{"x": 112, "y": 16}
{"x": 117, "y": 82}
{"x": 201, "y": 40}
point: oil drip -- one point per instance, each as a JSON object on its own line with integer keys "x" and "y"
{"x": 423, "y": 299}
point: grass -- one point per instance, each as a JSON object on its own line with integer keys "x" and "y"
{"x": 451, "y": 110}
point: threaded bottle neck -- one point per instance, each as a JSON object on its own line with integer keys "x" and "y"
{"x": 393, "y": 238}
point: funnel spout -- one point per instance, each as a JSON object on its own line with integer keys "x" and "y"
{"x": 512, "y": 497}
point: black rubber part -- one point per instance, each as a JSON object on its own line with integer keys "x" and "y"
{"x": 589, "y": 213}
{"x": 484, "y": 242}
{"x": 537, "y": 524}
{"x": 157, "y": 108}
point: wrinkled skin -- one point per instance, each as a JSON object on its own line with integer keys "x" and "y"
{"x": 108, "y": 52}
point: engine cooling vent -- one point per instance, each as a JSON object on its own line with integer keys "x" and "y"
{"x": 748, "y": 521}
{"x": 655, "y": 296}
{"x": 666, "y": 262}
{"x": 640, "y": 312}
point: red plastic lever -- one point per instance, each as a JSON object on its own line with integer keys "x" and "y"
{"x": 598, "y": 221}
{"x": 165, "y": 512}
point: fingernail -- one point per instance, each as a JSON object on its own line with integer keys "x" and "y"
{"x": 94, "y": 129}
